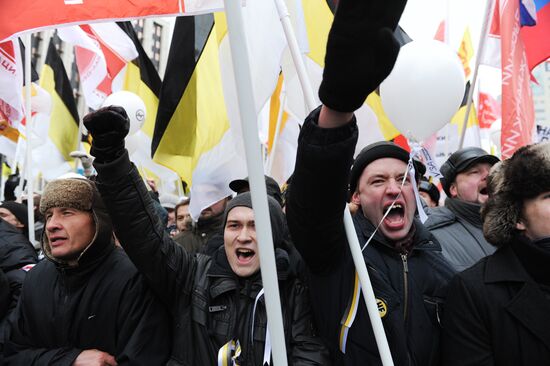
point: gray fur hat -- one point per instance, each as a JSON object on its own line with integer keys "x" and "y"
{"x": 524, "y": 176}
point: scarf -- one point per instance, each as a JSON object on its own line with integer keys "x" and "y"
{"x": 465, "y": 210}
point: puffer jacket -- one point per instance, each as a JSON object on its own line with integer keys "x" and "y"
{"x": 209, "y": 304}
{"x": 462, "y": 243}
{"x": 101, "y": 303}
{"x": 409, "y": 287}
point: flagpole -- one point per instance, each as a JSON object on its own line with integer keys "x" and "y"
{"x": 277, "y": 132}
{"x": 480, "y": 49}
{"x": 29, "y": 132}
{"x": 247, "y": 110}
{"x": 355, "y": 248}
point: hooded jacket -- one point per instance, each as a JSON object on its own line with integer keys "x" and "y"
{"x": 409, "y": 288}
{"x": 101, "y": 303}
{"x": 210, "y": 305}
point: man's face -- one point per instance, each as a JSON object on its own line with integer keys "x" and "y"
{"x": 69, "y": 231}
{"x": 378, "y": 187}
{"x": 240, "y": 243}
{"x": 182, "y": 215}
{"x": 10, "y": 218}
{"x": 171, "y": 217}
{"x": 214, "y": 210}
{"x": 428, "y": 199}
{"x": 471, "y": 184}
{"x": 535, "y": 217}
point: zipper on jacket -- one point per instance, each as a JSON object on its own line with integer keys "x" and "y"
{"x": 405, "y": 284}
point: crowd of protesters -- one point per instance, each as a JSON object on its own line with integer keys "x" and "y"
{"x": 123, "y": 276}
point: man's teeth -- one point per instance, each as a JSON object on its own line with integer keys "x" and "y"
{"x": 245, "y": 253}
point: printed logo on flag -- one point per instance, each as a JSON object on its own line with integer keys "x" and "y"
{"x": 73, "y": 2}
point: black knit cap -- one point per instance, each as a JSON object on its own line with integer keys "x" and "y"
{"x": 18, "y": 210}
{"x": 461, "y": 160}
{"x": 379, "y": 150}
{"x": 271, "y": 185}
{"x": 430, "y": 189}
{"x": 275, "y": 214}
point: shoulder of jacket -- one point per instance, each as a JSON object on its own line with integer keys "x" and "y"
{"x": 439, "y": 217}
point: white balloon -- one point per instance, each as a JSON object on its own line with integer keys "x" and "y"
{"x": 134, "y": 106}
{"x": 424, "y": 89}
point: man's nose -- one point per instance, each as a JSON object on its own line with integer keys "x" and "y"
{"x": 52, "y": 223}
{"x": 393, "y": 187}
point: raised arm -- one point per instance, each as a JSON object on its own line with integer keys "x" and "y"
{"x": 165, "y": 265}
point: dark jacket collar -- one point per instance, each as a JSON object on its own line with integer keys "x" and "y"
{"x": 504, "y": 265}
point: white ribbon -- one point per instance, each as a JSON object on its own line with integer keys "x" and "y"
{"x": 267, "y": 348}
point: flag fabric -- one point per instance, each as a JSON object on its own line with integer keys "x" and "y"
{"x": 488, "y": 110}
{"x": 64, "y": 121}
{"x": 28, "y": 15}
{"x": 11, "y": 83}
{"x": 536, "y": 38}
{"x": 466, "y": 52}
{"x": 142, "y": 79}
{"x": 492, "y": 52}
{"x": 102, "y": 52}
{"x": 518, "y": 117}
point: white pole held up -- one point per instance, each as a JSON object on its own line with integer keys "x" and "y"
{"x": 247, "y": 109}
{"x": 357, "y": 254}
{"x": 480, "y": 49}
{"x": 29, "y": 132}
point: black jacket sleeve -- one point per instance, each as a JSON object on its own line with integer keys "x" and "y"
{"x": 167, "y": 266}
{"x": 318, "y": 192}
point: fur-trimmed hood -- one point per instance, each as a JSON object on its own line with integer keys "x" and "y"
{"x": 525, "y": 175}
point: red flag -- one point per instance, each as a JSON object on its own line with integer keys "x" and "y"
{"x": 18, "y": 16}
{"x": 11, "y": 83}
{"x": 518, "y": 115}
{"x": 537, "y": 37}
{"x": 489, "y": 110}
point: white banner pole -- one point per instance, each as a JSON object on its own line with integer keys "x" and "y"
{"x": 247, "y": 110}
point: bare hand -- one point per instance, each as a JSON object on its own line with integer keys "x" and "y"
{"x": 94, "y": 357}
{"x": 152, "y": 184}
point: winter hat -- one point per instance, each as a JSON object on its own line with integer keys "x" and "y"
{"x": 169, "y": 201}
{"x": 379, "y": 150}
{"x": 461, "y": 160}
{"x": 275, "y": 214}
{"x": 73, "y": 193}
{"x": 271, "y": 186}
{"x": 524, "y": 176}
{"x": 18, "y": 210}
{"x": 430, "y": 189}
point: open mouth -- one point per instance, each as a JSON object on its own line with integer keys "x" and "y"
{"x": 483, "y": 191}
{"x": 56, "y": 241}
{"x": 396, "y": 217}
{"x": 245, "y": 255}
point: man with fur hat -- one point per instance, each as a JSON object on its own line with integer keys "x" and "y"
{"x": 216, "y": 302}
{"x": 86, "y": 304}
{"x": 497, "y": 311}
{"x": 406, "y": 268}
{"x": 458, "y": 225}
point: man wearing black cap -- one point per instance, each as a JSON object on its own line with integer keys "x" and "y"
{"x": 458, "y": 225}
{"x": 271, "y": 185}
{"x": 429, "y": 192}
{"x": 406, "y": 268}
{"x": 216, "y": 301}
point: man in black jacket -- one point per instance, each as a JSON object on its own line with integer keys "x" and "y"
{"x": 407, "y": 270}
{"x": 86, "y": 302}
{"x": 216, "y": 302}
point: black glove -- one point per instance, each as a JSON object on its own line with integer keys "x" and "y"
{"x": 108, "y": 127}
{"x": 361, "y": 51}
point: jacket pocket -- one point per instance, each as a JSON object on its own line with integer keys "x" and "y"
{"x": 434, "y": 308}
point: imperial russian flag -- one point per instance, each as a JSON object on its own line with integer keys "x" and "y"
{"x": 20, "y": 16}
{"x": 536, "y": 38}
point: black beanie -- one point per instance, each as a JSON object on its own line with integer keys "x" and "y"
{"x": 275, "y": 214}
{"x": 375, "y": 151}
{"x": 19, "y": 210}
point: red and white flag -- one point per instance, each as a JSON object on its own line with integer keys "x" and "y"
{"x": 518, "y": 115}
{"x": 102, "y": 52}
{"x": 488, "y": 110}
{"x": 11, "y": 83}
{"x": 20, "y": 16}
